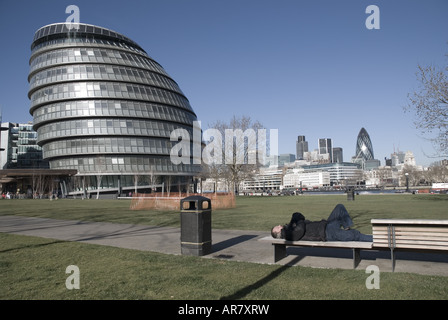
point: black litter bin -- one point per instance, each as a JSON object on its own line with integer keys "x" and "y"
{"x": 351, "y": 193}
{"x": 196, "y": 226}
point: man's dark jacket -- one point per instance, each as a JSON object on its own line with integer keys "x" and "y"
{"x": 301, "y": 229}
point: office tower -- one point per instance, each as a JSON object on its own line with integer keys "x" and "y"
{"x": 338, "y": 155}
{"x": 326, "y": 148}
{"x": 364, "y": 149}
{"x": 301, "y": 147}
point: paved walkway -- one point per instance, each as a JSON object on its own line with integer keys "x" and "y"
{"x": 236, "y": 245}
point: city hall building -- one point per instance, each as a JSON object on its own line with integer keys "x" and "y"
{"x": 102, "y": 106}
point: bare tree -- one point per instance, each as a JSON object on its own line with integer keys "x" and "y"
{"x": 168, "y": 180}
{"x": 100, "y": 166}
{"x": 436, "y": 173}
{"x": 412, "y": 175}
{"x": 152, "y": 178}
{"x": 213, "y": 171}
{"x": 236, "y": 164}
{"x": 430, "y": 105}
{"x": 136, "y": 179}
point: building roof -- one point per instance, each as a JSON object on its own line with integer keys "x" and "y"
{"x": 17, "y": 173}
{"x": 60, "y": 30}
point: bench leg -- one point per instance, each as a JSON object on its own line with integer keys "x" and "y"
{"x": 356, "y": 257}
{"x": 279, "y": 252}
{"x": 392, "y": 258}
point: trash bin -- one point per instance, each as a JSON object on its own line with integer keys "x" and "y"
{"x": 351, "y": 193}
{"x": 196, "y": 225}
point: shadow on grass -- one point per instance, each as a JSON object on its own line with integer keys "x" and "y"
{"x": 32, "y": 246}
{"x": 240, "y": 294}
{"x": 231, "y": 242}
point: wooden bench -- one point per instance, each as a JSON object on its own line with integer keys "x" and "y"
{"x": 410, "y": 234}
{"x": 281, "y": 244}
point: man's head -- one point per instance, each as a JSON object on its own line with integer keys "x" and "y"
{"x": 276, "y": 232}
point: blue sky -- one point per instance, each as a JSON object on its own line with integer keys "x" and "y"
{"x": 303, "y": 67}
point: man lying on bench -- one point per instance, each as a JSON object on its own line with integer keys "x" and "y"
{"x": 335, "y": 228}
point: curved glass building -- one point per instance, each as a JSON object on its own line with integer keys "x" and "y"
{"x": 364, "y": 149}
{"x": 103, "y": 106}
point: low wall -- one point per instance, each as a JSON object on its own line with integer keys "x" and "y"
{"x": 159, "y": 201}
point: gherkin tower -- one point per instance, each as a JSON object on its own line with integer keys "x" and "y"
{"x": 364, "y": 149}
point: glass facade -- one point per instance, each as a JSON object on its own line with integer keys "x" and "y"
{"x": 364, "y": 149}
{"x": 20, "y": 148}
{"x": 101, "y": 104}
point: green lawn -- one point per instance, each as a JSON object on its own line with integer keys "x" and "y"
{"x": 251, "y": 213}
{"x": 34, "y": 268}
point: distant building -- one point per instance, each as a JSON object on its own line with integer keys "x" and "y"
{"x": 268, "y": 179}
{"x": 20, "y": 148}
{"x": 325, "y": 147}
{"x": 338, "y": 155}
{"x": 371, "y": 164}
{"x": 400, "y": 158}
{"x": 285, "y": 158}
{"x": 299, "y": 178}
{"x": 344, "y": 173}
{"x": 364, "y": 148}
{"x": 301, "y": 147}
{"x": 397, "y": 158}
{"x": 315, "y": 157}
{"x": 364, "y": 152}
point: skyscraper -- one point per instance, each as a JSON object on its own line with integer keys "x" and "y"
{"x": 325, "y": 147}
{"x": 364, "y": 149}
{"x": 301, "y": 147}
{"x": 103, "y": 106}
{"x": 338, "y": 155}
{"x": 364, "y": 152}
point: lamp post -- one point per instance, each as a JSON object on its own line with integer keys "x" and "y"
{"x": 407, "y": 181}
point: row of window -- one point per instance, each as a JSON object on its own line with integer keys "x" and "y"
{"x": 111, "y": 108}
{"x": 83, "y": 38}
{"x": 77, "y": 55}
{"x": 102, "y": 72}
{"x": 125, "y": 164}
{"x": 108, "y": 90}
{"x": 106, "y": 127}
{"x": 107, "y": 145}
{"x": 28, "y": 134}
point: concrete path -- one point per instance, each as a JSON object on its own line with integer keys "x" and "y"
{"x": 236, "y": 245}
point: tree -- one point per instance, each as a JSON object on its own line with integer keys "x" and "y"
{"x": 236, "y": 164}
{"x": 212, "y": 171}
{"x": 100, "y": 166}
{"x": 436, "y": 173}
{"x": 412, "y": 175}
{"x": 430, "y": 105}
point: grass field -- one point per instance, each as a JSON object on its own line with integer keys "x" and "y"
{"x": 251, "y": 213}
{"x": 34, "y": 268}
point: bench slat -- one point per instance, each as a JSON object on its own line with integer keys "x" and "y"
{"x": 411, "y": 246}
{"x": 409, "y": 221}
{"x": 416, "y": 241}
{"x": 417, "y": 236}
{"x": 412, "y": 228}
{"x": 436, "y": 233}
